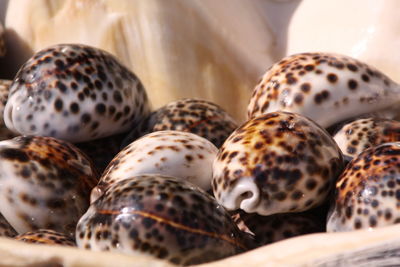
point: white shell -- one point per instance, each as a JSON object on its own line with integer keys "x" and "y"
{"x": 171, "y": 153}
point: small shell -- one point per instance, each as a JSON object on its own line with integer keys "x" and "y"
{"x": 273, "y": 228}
{"x": 172, "y": 153}
{"x": 356, "y": 136}
{"x": 368, "y": 192}
{"x": 76, "y": 93}
{"x": 327, "y": 88}
{"x": 196, "y": 116}
{"x": 46, "y": 236}
{"x": 276, "y": 163}
{"x": 44, "y": 183}
{"x": 163, "y": 216}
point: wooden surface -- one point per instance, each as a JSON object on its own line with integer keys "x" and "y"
{"x": 361, "y": 248}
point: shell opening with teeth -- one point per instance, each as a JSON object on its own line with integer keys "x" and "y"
{"x": 276, "y": 163}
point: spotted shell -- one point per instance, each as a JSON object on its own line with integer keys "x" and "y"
{"x": 196, "y": 116}
{"x": 368, "y": 192}
{"x": 44, "y": 183}
{"x": 75, "y": 93}
{"x": 326, "y": 87}
{"x": 172, "y": 153}
{"x": 358, "y": 135}
{"x": 273, "y": 228}
{"x": 46, "y": 236}
{"x": 5, "y": 133}
{"x": 276, "y": 163}
{"x": 166, "y": 217}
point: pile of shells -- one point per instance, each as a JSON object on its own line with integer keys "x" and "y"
{"x": 93, "y": 166}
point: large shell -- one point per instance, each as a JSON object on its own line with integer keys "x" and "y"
{"x": 163, "y": 216}
{"x": 44, "y": 183}
{"x": 75, "y": 93}
{"x": 325, "y": 87}
{"x": 276, "y": 163}
{"x": 172, "y": 153}
{"x": 368, "y": 192}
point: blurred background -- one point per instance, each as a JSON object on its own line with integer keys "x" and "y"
{"x": 216, "y": 50}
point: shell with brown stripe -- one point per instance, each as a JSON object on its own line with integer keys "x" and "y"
{"x": 46, "y": 236}
{"x": 163, "y": 216}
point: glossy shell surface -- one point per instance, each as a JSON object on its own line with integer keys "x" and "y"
{"x": 276, "y": 163}
{"x": 44, "y": 183}
{"x": 368, "y": 192}
{"x": 172, "y": 153}
{"x": 356, "y": 136}
{"x": 326, "y": 87}
{"x": 165, "y": 217}
{"x": 76, "y": 93}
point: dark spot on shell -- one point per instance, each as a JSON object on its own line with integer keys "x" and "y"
{"x": 58, "y": 104}
{"x": 332, "y": 77}
{"x": 352, "y": 84}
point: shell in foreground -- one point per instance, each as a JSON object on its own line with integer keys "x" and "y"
{"x": 276, "y": 163}
{"x": 326, "y": 87}
{"x": 44, "y": 183}
{"x": 165, "y": 217}
{"x": 368, "y": 192}
{"x": 197, "y": 116}
{"x": 172, "y": 153}
{"x": 75, "y": 93}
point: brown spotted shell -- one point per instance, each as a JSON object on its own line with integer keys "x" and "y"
{"x": 326, "y": 87}
{"x": 368, "y": 192}
{"x": 358, "y": 135}
{"x": 46, "y": 236}
{"x": 196, "y": 116}
{"x": 74, "y": 92}
{"x": 276, "y": 163}
{"x": 172, "y": 153}
{"x": 165, "y": 217}
{"x": 44, "y": 183}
